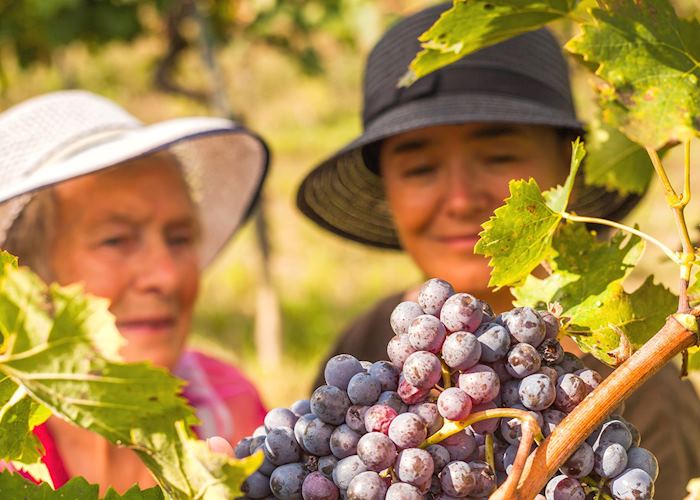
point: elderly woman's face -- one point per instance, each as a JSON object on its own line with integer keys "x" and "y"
{"x": 130, "y": 235}
{"x": 443, "y": 182}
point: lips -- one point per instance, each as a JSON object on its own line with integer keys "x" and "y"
{"x": 460, "y": 242}
{"x": 147, "y": 326}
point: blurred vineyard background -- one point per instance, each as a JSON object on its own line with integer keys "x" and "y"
{"x": 292, "y": 70}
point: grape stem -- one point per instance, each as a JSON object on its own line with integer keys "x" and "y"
{"x": 674, "y": 337}
{"x": 530, "y": 432}
{"x": 677, "y": 205}
{"x": 490, "y": 458}
{"x": 446, "y": 376}
{"x": 604, "y": 222}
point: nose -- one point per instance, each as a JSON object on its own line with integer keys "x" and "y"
{"x": 157, "y": 270}
{"x": 465, "y": 194}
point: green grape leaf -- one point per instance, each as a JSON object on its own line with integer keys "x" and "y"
{"x": 694, "y": 288}
{"x": 471, "y": 25}
{"x": 558, "y": 197}
{"x": 586, "y": 281}
{"x": 60, "y": 353}
{"x": 647, "y": 60}
{"x": 16, "y": 486}
{"x": 616, "y": 163}
{"x": 518, "y": 236}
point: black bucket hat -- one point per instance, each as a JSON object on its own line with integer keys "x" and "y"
{"x": 523, "y": 80}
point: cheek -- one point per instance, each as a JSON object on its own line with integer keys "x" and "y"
{"x": 411, "y": 208}
{"x": 189, "y": 284}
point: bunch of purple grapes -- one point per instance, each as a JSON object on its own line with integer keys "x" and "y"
{"x": 362, "y": 436}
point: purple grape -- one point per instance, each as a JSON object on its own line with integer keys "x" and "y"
{"x": 281, "y": 446}
{"x": 433, "y": 294}
{"x": 549, "y": 372}
{"x": 537, "y": 392}
{"x": 551, "y": 418}
{"x": 525, "y": 325}
{"x": 256, "y": 485}
{"x": 386, "y": 373}
{"x": 484, "y": 479}
{"x": 346, "y": 469}
{"x": 570, "y": 392}
{"x": 280, "y": 417}
{"x": 571, "y": 363}
{"x": 612, "y": 431}
{"x": 564, "y": 488}
{"x": 256, "y": 442}
{"x": 494, "y": 340}
{"x": 414, "y": 466}
{"x": 407, "y": 430}
{"x": 376, "y": 451}
{"x": 461, "y": 350}
{"x": 286, "y": 481}
{"x": 461, "y": 313}
{"x": 340, "y": 369}
{"x": 509, "y": 455}
{"x": 523, "y": 360}
{"x": 510, "y": 394}
{"x": 367, "y": 486}
{"x": 327, "y": 464}
{"x": 580, "y": 463}
{"x": 488, "y": 426}
{"x": 242, "y": 449}
{"x": 379, "y": 417}
{"x": 551, "y": 352}
{"x": 403, "y": 315}
{"x": 511, "y": 427}
{"x": 392, "y": 398}
{"x": 591, "y": 378}
{"x": 363, "y": 389}
{"x": 422, "y": 370}
{"x": 399, "y": 349}
{"x": 301, "y": 407}
{"x": 260, "y": 431}
{"x": 403, "y": 491}
{"x": 500, "y": 368}
{"x": 316, "y": 486}
{"x": 430, "y": 414}
{"x": 330, "y": 404}
{"x": 551, "y": 324}
{"x": 440, "y": 456}
{"x": 411, "y": 394}
{"x": 610, "y": 459}
{"x": 481, "y": 383}
{"x": 457, "y": 479}
{"x": 460, "y": 445}
{"x": 632, "y": 484}
{"x": 355, "y": 418}
{"x": 454, "y": 404}
{"x": 426, "y": 333}
{"x": 316, "y": 437}
{"x": 344, "y": 441}
{"x": 641, "y": 458}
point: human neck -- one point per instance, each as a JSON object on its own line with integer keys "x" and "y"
{"x": 91, "y": 456}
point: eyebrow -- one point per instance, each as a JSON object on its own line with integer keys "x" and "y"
{"x": 184, "y": 220}
{"x": 485, "y": 132}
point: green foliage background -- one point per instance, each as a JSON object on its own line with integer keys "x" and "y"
{"x": 305, "y": 115}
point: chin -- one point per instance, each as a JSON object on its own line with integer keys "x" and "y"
{"x": 470, "y": 276}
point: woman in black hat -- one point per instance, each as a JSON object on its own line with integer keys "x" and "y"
{"x": 433, "y": 164}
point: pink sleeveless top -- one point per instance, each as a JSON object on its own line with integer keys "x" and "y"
{"x": 215, "y": 389}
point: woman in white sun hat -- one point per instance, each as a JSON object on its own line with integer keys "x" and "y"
{"x": 90, "y": 194}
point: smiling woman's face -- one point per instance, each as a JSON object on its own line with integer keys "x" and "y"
{"x": 130, "y": 234}
{"x": 443, "y": 182}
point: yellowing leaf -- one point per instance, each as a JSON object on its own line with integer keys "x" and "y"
{"x": 647, "y": 60}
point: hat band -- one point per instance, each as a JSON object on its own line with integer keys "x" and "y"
{"x": 456, "y": 80}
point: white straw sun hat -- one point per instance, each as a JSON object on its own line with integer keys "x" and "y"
{"x": 62, "y": 135}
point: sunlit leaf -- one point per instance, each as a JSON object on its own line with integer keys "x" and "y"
{"x": 518, "y": 236}
{"x": 475, "y": 24}
{"x": 647, "y": 59}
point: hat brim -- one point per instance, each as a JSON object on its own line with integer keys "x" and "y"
{"x": 224, "y": 163}
{"x": 345, "y": 197}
